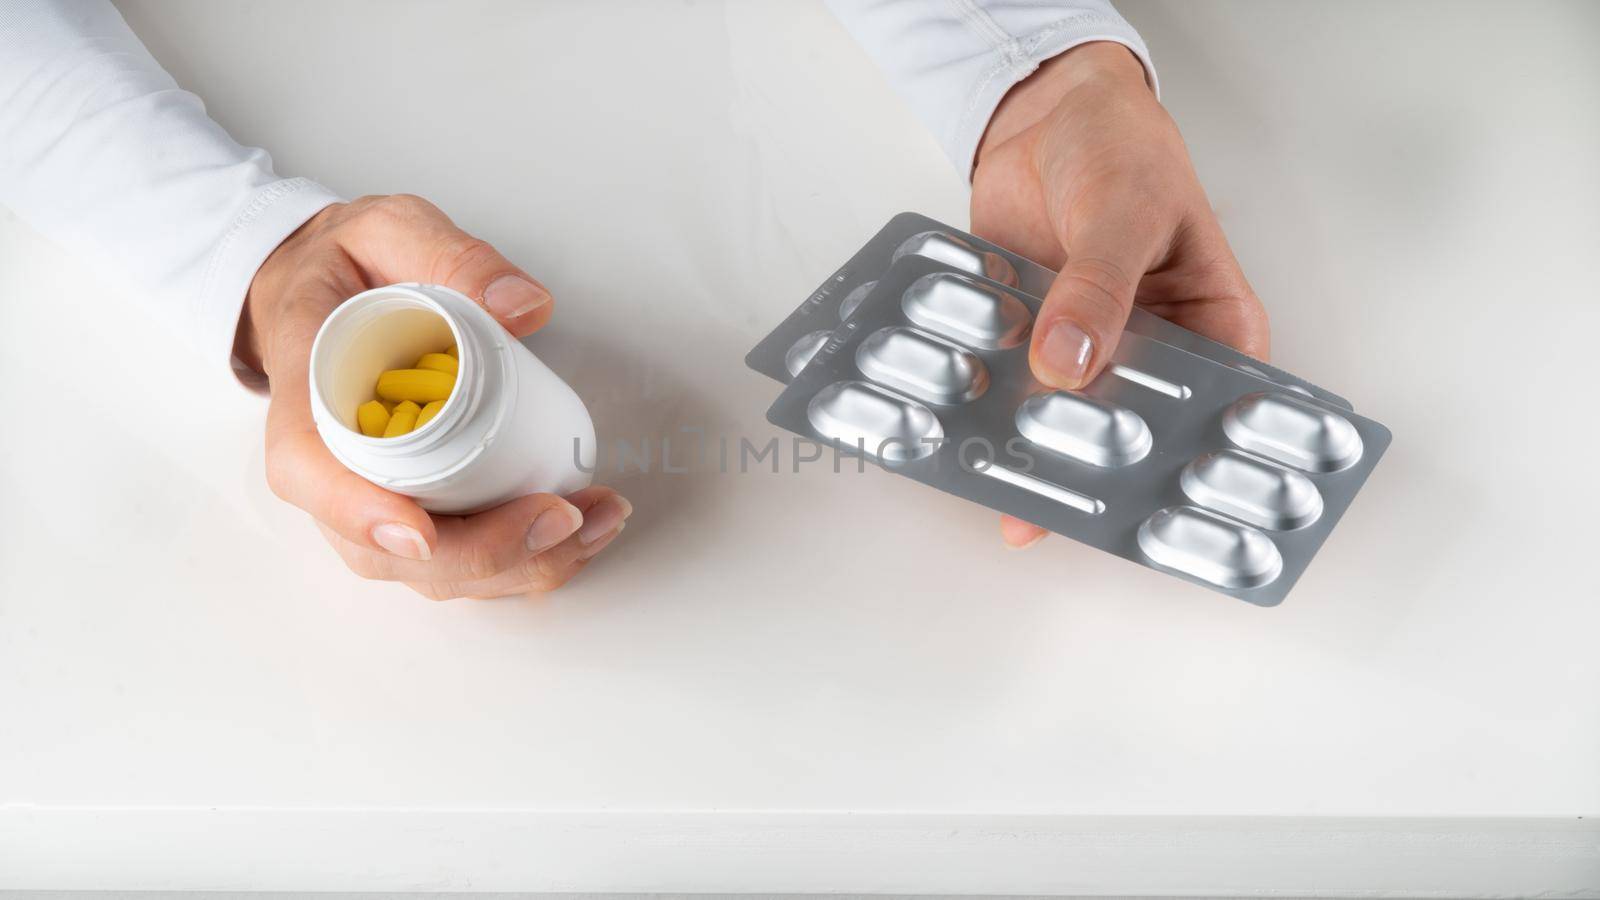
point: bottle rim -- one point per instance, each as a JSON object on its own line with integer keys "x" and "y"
{"x": 335, "y": 336}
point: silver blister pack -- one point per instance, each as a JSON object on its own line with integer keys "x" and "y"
{"x": 783, "y": 352}
{"x": 1207, "y": 469}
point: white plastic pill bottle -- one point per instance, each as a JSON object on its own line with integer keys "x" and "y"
{"x": 510, "y": 427}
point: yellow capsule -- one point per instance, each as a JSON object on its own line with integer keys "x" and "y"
{"x": 439, "y": 362}
{"x": 428, "y": 412}
{"x": 452, "y": 351}
{"x": 416, "y": 385}
{"x": 373, "y": 417}
{"x": 403, "y": 420}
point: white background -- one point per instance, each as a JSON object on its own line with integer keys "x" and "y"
{"x": 1412, "y": 190}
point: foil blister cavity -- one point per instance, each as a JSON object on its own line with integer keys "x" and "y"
{"x": 1292, "y": 431}
{"x": 801, "y": 351}
{"x": 1086, "y": 429}
{"x": 922, "y": 365}
{"x": 967, "y": 311}
{"x": 1210, "y": 548}
{"x": 956, "y": 252}
{"x": 878, "y": 422}
{"x": 1253, "y": 490}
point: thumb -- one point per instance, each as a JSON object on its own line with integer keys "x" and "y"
{"x": 406, "y": 238}
{"x": 1088, "y": 303}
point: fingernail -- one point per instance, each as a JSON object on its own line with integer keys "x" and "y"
{"x": 1026, "y": 544}
{"x": 599, "y": 545}
{"x": 553, "y": 526}
{"x": 510, "y": 296}
{"x": 1065, "y": 351}
{"x": 603, "y": 518}
{"x": 402, "y": 540}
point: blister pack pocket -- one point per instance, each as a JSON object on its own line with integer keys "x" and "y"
{"x": 1224, "y": 472}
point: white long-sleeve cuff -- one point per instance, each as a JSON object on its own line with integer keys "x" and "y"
{"x": 1019, "y": 57}
{"x": 103, "y": 152}
{"x": 271, "y": 215}
{"x": 954, "y": 60}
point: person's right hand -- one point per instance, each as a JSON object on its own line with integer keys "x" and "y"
{"x": 1083, "y": 171}
{"x": 531, "y": 544}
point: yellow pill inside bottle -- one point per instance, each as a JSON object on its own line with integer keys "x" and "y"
{"x": 415, "y": 385}
{"x": 373, "y": 418}
{"x": 438, "y": 362}
{"x": 403, "y": 420}
{"x": 428, "y": 412}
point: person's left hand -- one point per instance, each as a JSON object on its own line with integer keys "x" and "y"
{"x": 1082, "y": 170}
{"x": 527, "y": 545}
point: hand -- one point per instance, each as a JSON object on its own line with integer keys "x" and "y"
{"x": 535, "y": 543}
{"x": 1082, "y": 170}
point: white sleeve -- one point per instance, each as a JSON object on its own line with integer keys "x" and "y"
{"x": 103, "y": 153}
{"x": 953, "y": 60}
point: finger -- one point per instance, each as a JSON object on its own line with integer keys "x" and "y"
{"x": 477, "y": 547}
{"x": 1110, "y": 245}
{"x": 604, "y": 514}
{"x": 1227, "y": 311}
{"x": 603, "y": 519}
{"x": 406, "y": 238}
{"x": 1240, "y": 323}
{"x": 1020, "y": 535}
{"x": 301, "y": 471}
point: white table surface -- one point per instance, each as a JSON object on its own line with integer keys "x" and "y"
{"x": 818, "y": 682}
